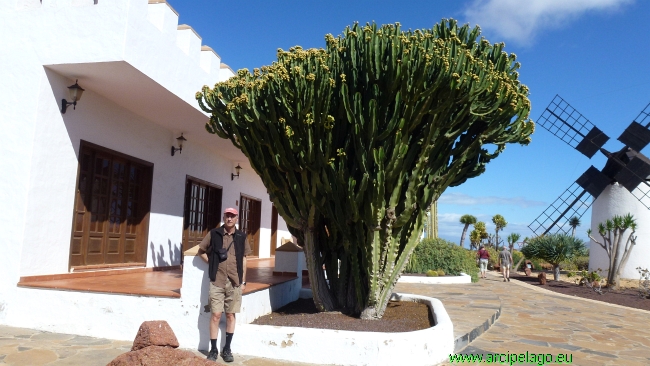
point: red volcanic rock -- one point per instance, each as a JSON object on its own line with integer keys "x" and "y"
{"x": 155, "y": 345}
{"x": 159, "y": 356}
{"x": 542, "y": 278}
{"x": 154, "y": 333}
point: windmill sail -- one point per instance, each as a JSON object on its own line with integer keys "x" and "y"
{"x": 637, "y": 134}
{"x": 572, "y": 127}
{"x": 575, "y": 201}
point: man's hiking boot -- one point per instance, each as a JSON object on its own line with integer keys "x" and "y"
{"x": 226, "y": 354}
{"x": 213, "y": 355}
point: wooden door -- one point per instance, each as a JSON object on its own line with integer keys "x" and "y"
{"x": 250, "y": 215}
{"x": 202, "y": 211}
{"x": 111, "y": 210}
{"x": 274, "y": 229}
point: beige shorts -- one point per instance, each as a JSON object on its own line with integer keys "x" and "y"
{"x": 228, "y": 298}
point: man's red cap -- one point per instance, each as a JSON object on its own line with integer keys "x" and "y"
{"x": 231, "y": 210}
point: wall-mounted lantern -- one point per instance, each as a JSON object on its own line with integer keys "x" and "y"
{"x": 238, "y": 168}
{"x": 75, "y": 92}
{"x": 180, "y": 140}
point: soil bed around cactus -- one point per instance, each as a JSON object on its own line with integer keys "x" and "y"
{"x": 400, "y": 316}
{"x": 625, "y": 296}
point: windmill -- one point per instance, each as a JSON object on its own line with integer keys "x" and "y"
{"x": 628, "y": 166}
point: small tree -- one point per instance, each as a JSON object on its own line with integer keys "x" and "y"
{"x": 553, "y": 249}
{"x": 478, "y": 234}
{"x": 499, "y": 223}
{"x": 574, "y": 222}
{"x": 613, "y": 235}
{"x": 467, "y": 220}
{"x": 512, "y": 239}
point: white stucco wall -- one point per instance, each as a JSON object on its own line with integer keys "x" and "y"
{"x": 616, "y": 200}
{"x": 141, "y": 74}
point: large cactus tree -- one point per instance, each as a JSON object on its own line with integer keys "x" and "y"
{"x": 355, "y": 141}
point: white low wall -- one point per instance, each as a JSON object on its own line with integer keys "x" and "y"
{"x": 119, "y": 317}
{"x": 116, "y": 316}
{"x": 463, "y": 278}
{"x": 323, "y": 346}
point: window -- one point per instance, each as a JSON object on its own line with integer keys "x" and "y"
{"x": 202, "y": 211}
{"x": 250, "y": 213}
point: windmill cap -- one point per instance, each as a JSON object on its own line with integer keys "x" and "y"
{"x": 231, "y": 210}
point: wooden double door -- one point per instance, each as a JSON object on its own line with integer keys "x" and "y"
{"x": 111, "y": 209}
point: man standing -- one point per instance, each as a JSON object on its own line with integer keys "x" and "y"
{"x": 505, "y": 260}
{"x": 227, "y": 277}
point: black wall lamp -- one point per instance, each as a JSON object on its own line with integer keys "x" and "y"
{"x": 237, "y": 168}
{"x": 75, "y": 94}
{"x": 180, "y": 140}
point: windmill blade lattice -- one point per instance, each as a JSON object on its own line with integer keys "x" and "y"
{"x": 642, "y": 193}
{"x": 644, "y": 117}
{"x": 572, "y": 127}
{"x": 575, "y": 201}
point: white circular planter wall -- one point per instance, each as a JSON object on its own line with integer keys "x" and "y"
{"x": 616, "y": 200}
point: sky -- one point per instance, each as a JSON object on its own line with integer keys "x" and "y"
{"x": 593, "y": 53}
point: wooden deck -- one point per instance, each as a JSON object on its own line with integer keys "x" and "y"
{"x": 148, "y": 281}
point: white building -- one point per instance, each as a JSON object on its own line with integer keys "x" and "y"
{"x": 97, "y": 186}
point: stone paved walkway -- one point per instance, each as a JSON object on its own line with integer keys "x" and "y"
{"x": 540, "y": 321}
{"x": 531, "y": 320}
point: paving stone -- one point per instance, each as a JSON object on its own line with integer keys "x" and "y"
{"x": 86, "y": 341}
{"x": 47, "y": 336}
{"x": 89, "y": 357}
{"x": 34, "y": 357}
{"x": 66, "y": 352}
{"x": 533, "y": 342}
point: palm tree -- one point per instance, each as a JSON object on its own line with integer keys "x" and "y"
{"x": 499, "y": 223}
{"x": 574, "y": 222}
{"x": 467, "y": 220}
{"x": 512, "y": 239}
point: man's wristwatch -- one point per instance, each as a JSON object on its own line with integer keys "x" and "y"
{"x": 243, "y": 283}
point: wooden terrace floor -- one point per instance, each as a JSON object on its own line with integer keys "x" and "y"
{"x": 148, "y": 281}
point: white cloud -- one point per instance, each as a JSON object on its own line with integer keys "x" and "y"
{"x": 466, "y": 200}
{"x": 520, "y": 20}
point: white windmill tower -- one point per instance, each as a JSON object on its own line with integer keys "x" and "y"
{"x": 621, "y": 187}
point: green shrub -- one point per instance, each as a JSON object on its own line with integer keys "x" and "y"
{"x": 444, "y": 255}
{"x": 432, "y": 273}
{"x": 516, "y": 256}
{"x": 554, "y": 249}
{"x": 440, "y": 272}
{"x": 494, "y": 258}
{"x": 578, "y": 263}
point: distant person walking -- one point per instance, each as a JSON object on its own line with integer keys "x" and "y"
{"x": 505, "y": 261}
{"x": 482, "y": 256}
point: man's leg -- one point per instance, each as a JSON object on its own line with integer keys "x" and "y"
{"x": 230, "y": 330}
{"x": 232, "y": 305}
{"x": 216, "y": 308}
{"x": 214, "y": 325}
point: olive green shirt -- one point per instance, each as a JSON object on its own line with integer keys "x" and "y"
{"x": 228, "y": 268}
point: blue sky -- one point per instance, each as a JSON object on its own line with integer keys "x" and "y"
{"x": 593, "y": 53}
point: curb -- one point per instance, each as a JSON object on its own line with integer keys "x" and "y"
{"x": 463, "y": 341}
